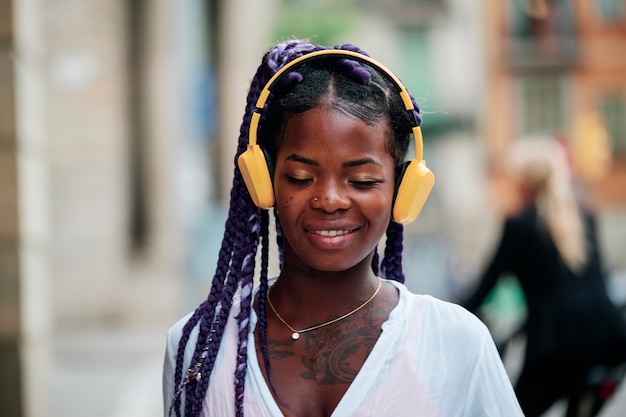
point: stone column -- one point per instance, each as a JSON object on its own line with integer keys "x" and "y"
{"x": 244, "y": 36}
{"x": 24, "y": 305}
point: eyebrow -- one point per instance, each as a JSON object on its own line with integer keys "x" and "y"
{"x": 301, "y": 159}
{"x": 362, "y": 161}
{"x": 349, "y": 164}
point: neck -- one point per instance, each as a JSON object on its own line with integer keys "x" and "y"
{"x": 304, "y": 292}
{"x": 301, "y": 281}
{"x": 312, "y": 304}
{"x": 295, "y": 335}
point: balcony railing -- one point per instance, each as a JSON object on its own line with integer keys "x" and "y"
{"x": 549, "y": 53}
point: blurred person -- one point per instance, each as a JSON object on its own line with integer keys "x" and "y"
{"x": 550, "y": 245}
{"x": 336, "y": 333}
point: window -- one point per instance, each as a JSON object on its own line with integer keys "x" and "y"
{"x": 541, "y": 18}
{"x": 541, "y": 103}
{"x": 610, "y": 11}
{"x": 613, "y": 109}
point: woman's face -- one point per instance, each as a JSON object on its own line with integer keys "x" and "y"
{"x": 334, "y": 185}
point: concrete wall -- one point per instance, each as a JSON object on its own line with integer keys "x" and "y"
{"x": 116, "y": 132}
{"x": 25, "y": 327}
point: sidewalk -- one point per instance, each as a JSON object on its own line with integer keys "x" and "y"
{"x": 108, "y": 373}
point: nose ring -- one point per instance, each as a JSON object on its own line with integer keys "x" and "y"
{"x": 315, "y": 199}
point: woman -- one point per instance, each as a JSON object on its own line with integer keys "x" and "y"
{"x": 336, "y": 333}
{"x": 551, "y": 247}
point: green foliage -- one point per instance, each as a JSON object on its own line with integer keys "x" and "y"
{"x": 323, "y": 22}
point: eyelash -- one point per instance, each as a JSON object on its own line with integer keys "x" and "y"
{"x": 359, "y": 184}
{"x": 365, "y": 184}
{"x": 299, "y": 181}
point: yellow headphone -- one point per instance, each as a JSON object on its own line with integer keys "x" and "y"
{"x": 415, "y": 182}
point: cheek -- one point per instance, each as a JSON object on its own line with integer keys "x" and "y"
{"x": 384, "y": 199}
{"x": 377, "y": 208}
{"x": 284, "y": 203}
{"x": 381, "y": 212}
{"x": 386, "y": 206}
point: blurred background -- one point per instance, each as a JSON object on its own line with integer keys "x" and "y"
{"x": 118, "y": 126}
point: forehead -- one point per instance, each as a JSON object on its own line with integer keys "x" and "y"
{"x": 329, "y": 131}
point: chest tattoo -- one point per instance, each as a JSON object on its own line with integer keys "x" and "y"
{"x": 329, "y": 356}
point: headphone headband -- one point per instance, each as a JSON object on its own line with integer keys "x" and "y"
{"x": 337, "y": 53}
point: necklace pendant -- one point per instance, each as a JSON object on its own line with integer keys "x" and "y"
{"x": 295, "y": 335}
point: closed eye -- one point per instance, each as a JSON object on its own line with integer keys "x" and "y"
{"x": 365, "y": 183}
{"x": 296, "y": 180}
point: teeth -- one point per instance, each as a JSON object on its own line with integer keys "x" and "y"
{"x": 331, "y": 233}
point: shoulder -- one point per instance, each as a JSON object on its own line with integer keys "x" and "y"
{"x": 443, "y": 338}
{"x": 176, "y": 330}
{"x": 520, "y": 225}
{"x": 455, "y": 321}
{"x": 522, "y": 219}
{"x": 175, "y": 333}
{"x": 444, "y": 319}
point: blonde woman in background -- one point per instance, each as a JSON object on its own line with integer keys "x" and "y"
{"x": 550, "y": 246}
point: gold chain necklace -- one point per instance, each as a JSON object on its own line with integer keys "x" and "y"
{"x": 295, "y": 335}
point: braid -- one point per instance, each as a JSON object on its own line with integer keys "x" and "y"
{"x": 179, "y": 360}
{"x": 391, "y": 267}
{"x": 209, "y": 338}
{"x": 241, "y": 271}
{"x": 279, "y": 239}
{"x": 243, "y": 318}
{"x": 262, "y": 319}
{"x": 217, "y": 306}
{"x": 208, "y": 307}
{"x": 229, "y": 262}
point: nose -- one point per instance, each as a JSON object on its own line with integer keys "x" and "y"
{"x": 331, "y": 196}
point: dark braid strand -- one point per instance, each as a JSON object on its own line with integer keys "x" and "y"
{"x": 391, "y": 267}
{"x": 225, "y": 263}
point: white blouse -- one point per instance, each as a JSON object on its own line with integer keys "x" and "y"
{"x": 433, "y": 359}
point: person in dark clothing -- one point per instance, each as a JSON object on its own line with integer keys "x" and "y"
{"x": 551, "y": 247}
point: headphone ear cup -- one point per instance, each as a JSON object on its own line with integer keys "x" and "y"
{"x": 413, "y": 185}
{"x": 256, "y": 174}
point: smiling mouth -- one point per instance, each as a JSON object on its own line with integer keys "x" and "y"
{"x": 331, "y": 233}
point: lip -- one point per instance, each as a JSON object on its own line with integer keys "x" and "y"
{"x": 331, "y": 233}
{"x": 331, "y": 237}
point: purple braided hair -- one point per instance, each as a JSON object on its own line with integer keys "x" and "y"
{"x": 236, "y": 261}
{"x": 212, "y": 314}
{"x": 391, "y": 266}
